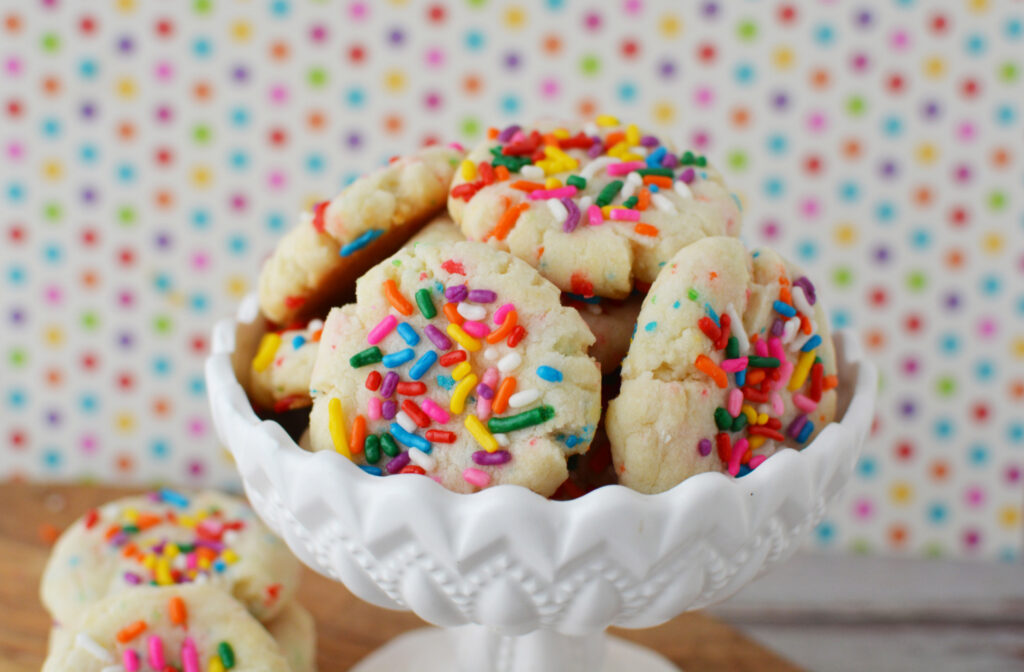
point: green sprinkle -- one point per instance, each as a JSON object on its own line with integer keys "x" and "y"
{"x": 739, "y": 422}
{"x": 425, "y": 304}
{"x": 692, "y": 294}
{"x": 687, "y": 158}
{"x": 371, "y": 355}
{"x": 701, "y": 161}
{"x": 534, "y": 416}
{"x": 130, "y": 529}
{"x": 732, "y": 348}
{"x": 630, "y": 202}
{"x": 576, "y": 181}
{"x": 763, "y": 362}
{"x": 186, "y": 548}
{"x": 663, "y": 172}
{"x": 387, "y": 443}
{"x": 227, "y": 655}
{"x": 608, "y": 193}
{"x": 372, "y": 448}
{"x": 722, "y": 419}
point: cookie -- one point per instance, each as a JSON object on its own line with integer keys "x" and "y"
{"x": 595, "y": 208}
{"x": 456, "y": 361}
{"x": 280, "y": 370}
{"x": 169, "y": 538}
{"x": 190, "y": 628}
{"x": 612, "y": 324}
{"x": 315, "y": 265}
{"x": 731, "y": 361}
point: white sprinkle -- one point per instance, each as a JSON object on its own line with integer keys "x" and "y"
{"x": 471, "y": 311}
{"x": 558, "y": 210}
{"x": 597, "y": 164}
{"x": 663, "y": 204}
{"x": 490, "y": 354}
{"x": 590, "y": 129}
{"x": 585, "y": 203}
{"x": 112, "y": 668}
{"x": 315, "y": 325}
{"x": 801, "y": 302}
{"x": 682, "y": 189}
{"x": 421, "y": 459}
{"x": 179, "y": 561}
{"x": 510, "y": 362}
{"x": 230, "y": 537}
{"x": 524, "y": 398}
{"x": 789, "y": 331}
{"x": 639, "y": 149}
{"x": 532, "y": 172}
{"x": 92, "y": 647}
{"x": 799, "y": 341}
{"x": 634, "y": 178}
{"x": 737, "y": 329}
{"x": 502, "y": 440}
{"x": 201, "y": 578}
{"x": 405, "y": 421}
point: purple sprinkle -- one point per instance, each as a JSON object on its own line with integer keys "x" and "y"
{"x": 596, "y": 149}
{"x": 396, "y": 465}
{"x": 119, "y": 539}
{"x": 437, "y": 338}
{"x": 132, "y": 578}
{"x": 649, "y": 141}
{"x": 154, "y": 497}
{"x": 507, "y": 133}
{"x": 704, "y": 447}
{"x": 497, "y": 457}
{"x": 456, "y": 293}
{"x": 670, "y": 160}
{"x": 482, "y": 296}
{"x": 797, "y": 425}
{"x": 387, "y": 388}
{"x": 210, "y": 544}
{"x": 159, "y": 548}
{"x": 805, "y": 284}
{"x": 389, "y": 409}
{"x": 573, "y": 220}
{"x": 688, "y": 175}
{"x": 484, "y": 391}
{"x": 777, "y": 327}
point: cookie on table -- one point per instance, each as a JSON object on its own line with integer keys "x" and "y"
{"x": 596, "y": 208}
{"x": 280, "y": 370}
{"x": 612, "y": 322}
{"x": 190, "y": 628}
{"x": 731, "y": 361}
{"x": 169, "y": 538}
{"x": 456, "y": 361}
{"x": 315, "y": 265}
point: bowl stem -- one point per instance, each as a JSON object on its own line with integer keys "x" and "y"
{"x": 481, "y": 649}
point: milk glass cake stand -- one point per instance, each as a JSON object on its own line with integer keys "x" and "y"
{"x": 516, "y": 582}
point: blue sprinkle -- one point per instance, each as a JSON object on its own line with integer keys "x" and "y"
{"x": 655, "y": 157}
{"x": 398, "y": 358}
{"x": 447, "y": 382}
{"x": 423, "y": 364}
{"x": 573, "y": 441}
{"x": 410, "y": 439}
{"x": 744, "y": 470}
{"x": 675, "y": 305}
{"x": 811, "y": 344}
{"x": 408, "y": 334}
{"x": 584, "y": 299}
{"x": 784, "y": 309}
{"x": 298, "y": 341}
{"x": 361, "y": 242}
{"x": 712, "y": 314}
{"x": 805, "y": 432}
{"x": 174, "y": 497}
{"x": 653, "y": 188}
{"x": 756, "y": 254}
{"x": 372, "y": 470}
{"x": 650, "y": 326}
{"x": 219, "y": 565}
{"x": 741, "y": 378}
{"x": 549, "y": 374}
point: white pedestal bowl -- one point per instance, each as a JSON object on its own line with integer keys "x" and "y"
{"x": 514, "y": 581}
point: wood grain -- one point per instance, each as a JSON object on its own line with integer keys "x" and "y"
{"x": 348, "y": 629}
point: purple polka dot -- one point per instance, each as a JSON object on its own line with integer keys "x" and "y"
{"x": 88, "y": 195}
{"x": 396, "y": 36}
{"x": 888, "y": 169}
{"x": 125, "y": 340}
{"x": 880, "y": 254}
{"x": 907, "y": 408}
{"x": 512, "y": 60}
{"x": 709, "y": 9}
{"x": 354, "y": 140}
{"x": 125, "y": 45}
{"x": 931, "y": 110}
{"x": 87, "y": 110}
{"x": 162, "y": 240}
{"x": 780, "y": 100}
{"x": 240, "y": 73}
{"x": 53, "y": 417}
{"x": 667, "y": 69}
{"x": 951, "y": 301}
{"x": 864, "y": 18}
{"x": 17, "y": 316}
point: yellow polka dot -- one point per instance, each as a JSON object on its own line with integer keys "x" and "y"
{"x": 901, "y": 492}
{"x": 978, "y": 6}
{"x": 237, "y": 286}
{"x": 664, "y": 112}
{"x": 124, "y": 422}
{"x": 934, "y": 67}
{"x": 54, "y": 336}
{"x": 53, "y": 169}
{"x": 1009, "y": 517}
{"x": 126, "y": 87}
{"x": 399, "y": 3}
{"x": 927, "y": 153}
{"x": 783, "y": 58}
{"x": 515, "y": 17}
{"x": 126, "y": 6}
{"x": 202, "y": 176}
{"x": 241, "y": 31}
{"x": 845, "y": 233}
{"x": 993, "y": 242}
{"x": 176, "y": 299}
{"x": 394, "y": 80}
{"x": 670, "y": 25}
{"x": 1018, "y": 347}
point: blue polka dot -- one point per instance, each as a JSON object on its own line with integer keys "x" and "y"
{"x": 867, "y": 467}
{"x": 975, "y": 45}
{"x": 125, "y": 173}
{"x": 163, "y": 282}
{"x": 202, "y": 47}
{"x": 774, "y": 187}
{"x": 200, "y": 219}
{"x": 159, "y": 448}
{"x": 840, "y": 318}
{"x": 825, "y": 533}
{"x": 1008, "y": 554}
{"x": 17, "y": 398}
{"x": 921, "y": 239}
{"x": 807, "y": 250}
{"x": 744, "y": 73}
{"x": 239, "y": 117}
{"x": 355, "y": 96}
{"x": 52, "y": 458}
{"x": 475, "y": 40}
{"x": 53, "y": 253}
{"x": 16, "y": 275}
{"x": 892, "y": 126}
{"x": 280, "y": 8}
{"x": 196, "y": 386}
{"x": 1006, "y": 114}
{"x": 15, "y": 192}
{"x": 885, "y": 212}
{"x": 978, "y": 454}
{"x": 949, "y": 343}
{"x": 239, "y": 160}
{"x": 315, "y": 163}
{"x": 555, "y": 5}
{"x": 50, "y": 127}
{"x": 88, "y": 153}
{"x": 943, "y": 428}
{"x": 824, "y": 34}
{"x": 849, "y": 191}
{"x": 275, "y": 222}
{"x": 87, "y": 68}
{"x": 88, "y": 403}
{"x": 238, "y": 244}
{"x": 198, "y": 302}
{"x": 627, "y": 92}
{"x": 510, "y": 104}
{"x": 1020, "y": 305}
{"x": 1015, "y": 432}
{"x": 984, "y": 370}
{"x": 1013, "y": 29}
{"x": 778, "y": 144}
{"x": 991, "y": 285}
{"x": 938, "y": 513}
{"x": 161, "y": 366}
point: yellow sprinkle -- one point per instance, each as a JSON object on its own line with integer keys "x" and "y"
{"x": 756, "y": 441}
{"x": 762, "y": 419}
{"x": 462, "y": 390}
{"x": 131, "y": 515}
{"x": 606, "y": 120}
{"x": 149, "y": 561}
{"x": 202, "y": 515}
{"x": 549, "y": 166}
{"x": 187, "y": 521}
{"x": 336, "y": 425}
{"x": 204, "y": 563}
{"x": 556, "y": 153}
{"x": 163, "y": 572}
{"x": 561, "y": 133}
{"x": 630, "y": 156}
{"x": 751, "y": 414}
{"x": 803, "y": 367}
{"x": 215, "y": 664}
{"x": 265, "y": 355}
{"x": 462, "y": 338}
{"x": 461, "y": 370}
{"x": 552, "y": 183}
{"x": 618, "y": 149}
{"x": 632, "y": 135}
{"x": 480, "y": 433}
{"x": 606, "y": 211}
{"x": 171, "y": 550}
{"x": 468, "y": 170}
{"x": 229, "y": 556}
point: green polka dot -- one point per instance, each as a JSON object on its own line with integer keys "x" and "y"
{"x": 842, "y": 276}
{"x": 1009, "y": 72}
{"x": 860, "y": 546}
{"x": 997, "y": 200}
{"x": 53, "y": 211}
{"x": 945, "y": 386}
{"x": 917, "y": 280}
{"x": 317, "y": 77}
{"x": 89, "y": 320}
{"x": 856, "y": 106}
{"x": 162, "y": 324}
{"x": 470, "y": 127}
{"x": 202, "y": 6}
{"x": 126, "y": 215}
{"x": 746, "y": 30}
{"x": 17, "y": 357}
{"x": 50, "y": 43}
{"x": 590, "y": 64}
{"x": 738, "y": 160}
{"x": 202, "y": 134}
{"x": 476, "y": 3}
{"x": 934, "y": 550}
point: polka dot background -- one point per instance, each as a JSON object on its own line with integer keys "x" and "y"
{"x": 152, "y": 153}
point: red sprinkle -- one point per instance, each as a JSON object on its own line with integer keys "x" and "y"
{"x": 453, "y": 267}
{"x": 416, "y": 413}
{"x": 710, "y": 329}
{"x": 285, "y": 404}
{"x": 578, "y": 141}
{"x": 294, "y": 301}
{"x": 467, "y": 190}
{"x": 516, "y": 336}
{"x": 439, "y": 436}
{"x": 756, "y": 396}
{"x": 723, "y": 340}
{"x": 724, "y": 446}
{"x": 486, "y": 173}
{"x": 412, "y": 469}
{"x": 410, "y": 389}
{"x": 318, "y": 215}
{"x": 817, "y": 381}
{"x": 580, "y": 285}
{"x": 373, "y": 381}
{"x": 761, "y": 430}
{"x": 452, "y": 358}
{"x": 91, "y": 519}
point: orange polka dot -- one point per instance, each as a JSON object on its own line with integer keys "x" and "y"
{"x": 279, "y": 51}
{"x": 1000, "y": 157}
{"x": 472, "y": 84}
{"x": 164, "y": 199}
{"x": 955, "y": 259}
{"x": 161, "y": 407}
{"x": 316, "y": 120}
{"x": 202, "y": 91}
{"x": 552, "y": 44}
{"x": 923, "y": 196}
{"x": 897, "y": 535}
{"x": 393, "y": 124}
{"x": 875, "y": 338}
{"x": 90, "y": 278}
{"x": 125, "y": 463}
{"x": 852, "y": 149}
{"x": 820, "y": 78}
{"x": 740, "y": 116}
{"x": 51, "y": 85}
{"x": 587, "y": 107}
{"x": 126, "y": 130}
{"x": 1017, "y": 389}
{"x": 939, "y": 470}
{"x": 54, "y": 377}
{"x": 12, "y": 23}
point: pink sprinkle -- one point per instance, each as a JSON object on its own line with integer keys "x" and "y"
{"x": 803, "y": 403}
{"x": 191, "y": 561}
{"x": 480, "y": 479}
{"x": 189, "y": 656}
{"x": 735, "y": 402}
{"x": 761, "y": 348}
{"x": 156, "y": 652}
{"x": 625, "y": 215}
{"x": 778, "y": 408}
{"x": 785, "y": 371}
{"x": 756, "y": 461}
{"x": 373, "y": 408}
{"x": 775, "y": 348}
{"x": 483, "y": 406}
{"x": 594, "y": 213}
{"x": 383, "y": 328}
{"x": 734, "y": 365}
{"x": 434, "y": 411}
{"x": 624, "y": 167}
{"x": 475, "y": 329}
{"x": 456, "y": 146}
{"x": 500, "y": 313}
{"x": 561, "y": 192}
{"x": 131, "y": 660}
{"x": 738, "y": 450}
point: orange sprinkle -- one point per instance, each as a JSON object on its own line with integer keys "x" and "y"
{"x": 317, "y": 335}
{"x": 144, "y": 521}
{"x": 550, "y": 139}
{"x": 507, "y": 221}
{"x": 505, "y": 390}
{"x": 526, "y": 185}
{"x": 48, "y": 533}
{"x": 111, "y": 531}
{"x": 755, "y": 376}
{"x": 614, "y": 138}
{"x": 176, "y": 609}
{"x": 643, "y": 200}
{"x": 805, "y": 324}
{"x": 501, "y": 174}
{"x": 830, "y": 382}
{"x": 492, "y": 133}
{"x": 499, "y": 334}
{"x": 396, "y": 299}
{"x": 130, "y": 551}
{"x": 784, "y": 281}
{"x": 646, "y": 229}
{"x": 785, "y": 295}
{"x": 660, "y": 180}
{"x": 451, "y": 311}
{"x": 358, "y": 435}
{"x": 131, "y": 631}
{"x": 704, "y": 363}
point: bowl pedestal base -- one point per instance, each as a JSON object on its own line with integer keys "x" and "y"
{"x": 476, "y": 648}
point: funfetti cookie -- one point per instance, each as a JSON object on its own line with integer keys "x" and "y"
{"x": 189, "y": 628}
{"x": 315, "y": 265}
{"x": 731, "y": 360}
{"x": 456, "y": 361}
{"x": 595, "y": 208}
{"x": 169, "y": 538}
{"x": 280, "y": 370}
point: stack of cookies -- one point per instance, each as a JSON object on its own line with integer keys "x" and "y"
{"x": 173, "y": 581}
{"x": 562, "y": 307}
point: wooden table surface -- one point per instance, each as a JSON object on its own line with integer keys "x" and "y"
{"x": 348, "y": 629}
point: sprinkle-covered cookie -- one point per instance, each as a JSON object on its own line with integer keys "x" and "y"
{"x": 169, "y": 538}
{"x": 595, "y": 208}
{"x": 457, "y": 361}
{"x": 315, "y": 265}
{"x": 183, "y": 628}
{"x": 280, "y": 370}
{"x": 731, "y": 360}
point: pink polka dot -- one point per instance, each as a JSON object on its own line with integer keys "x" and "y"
{"x": 358, "y": 10}
{"x": 164, "y": 71}
{"x": 318, "y": 33}
{"x": 962, "y": 173}
{"x": 13, "y": 66}
{"x": 1011, "y": 474}
{"x": 701, "y": 140}
{"x": 966, "y": 131}
{"x": 196, "y": 468}
{"x": 972, "y": 538}
{"x": 770, "y": 229}
{"x": 87, "y": 443}
{"x": 15, "y": 151}
{"x": 987, "y": 327}
{"x": 864, "y": 509}
{"x": 549, "y": 88}
{"x": 817, "y": 121}
{"x": 810, "y": 207}
{"x": 196, "y": 427}
{"x": 974, "y": 496}
{"x": 434, "y": 57}
{"x": 899, "y": 39}
{"x": 277, "y": 179}
{"x": 704, "y": 96}
{"x": 200, "y": 261}
{"x": 432, "y": 100}
{"x": 239, "y": 202}
{"x": 125, "y": 298}
{"x": 279, "y": 93}
{"x": 633, "y": 6}
{"x": 910, "y": 366}
{"x": 53, "y": 295}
